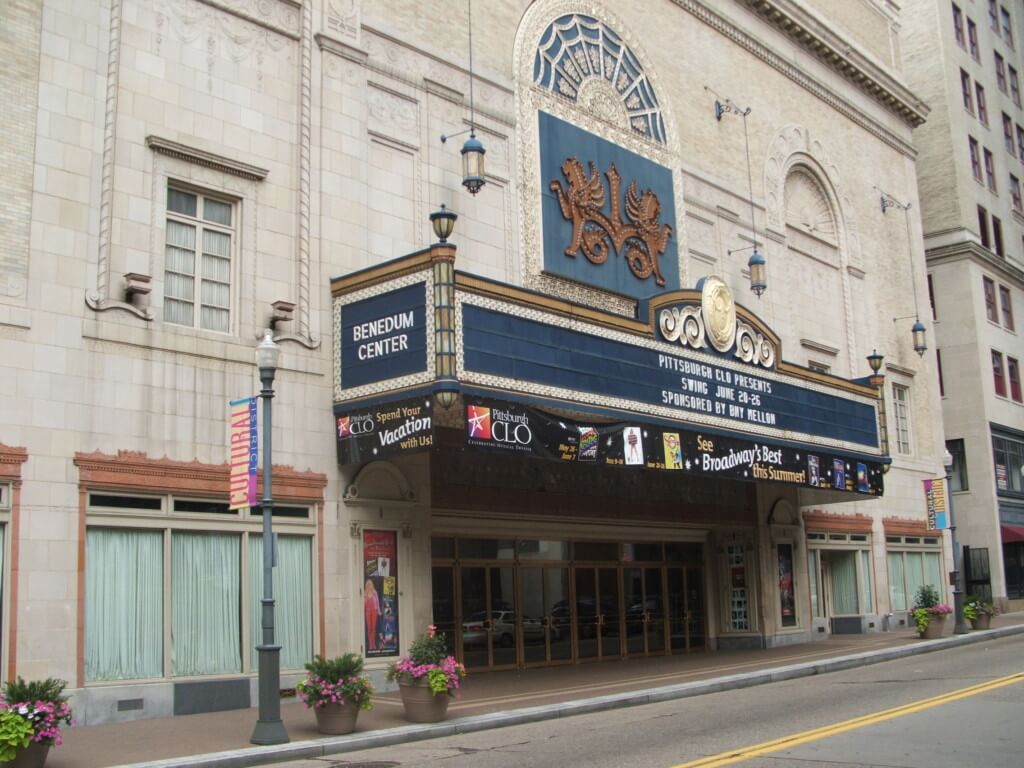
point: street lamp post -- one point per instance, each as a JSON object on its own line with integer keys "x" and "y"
{"x": 960, "y": 628}
{"x": 269, "y": 728}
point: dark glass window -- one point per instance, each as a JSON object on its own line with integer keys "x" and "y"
{"x": 958, "y": 473}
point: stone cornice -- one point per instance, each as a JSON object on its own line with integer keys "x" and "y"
{"x": 817, "y": 520}
{"x": 135, "y": 471}
{"x": 901, "y": 526}
{"x": 701, "y": 10}
{"x": 11, "y": 459}
{"x": 968, "y": 249}
{"x": 817, "y": 38}
{"x": 207, "y": 159}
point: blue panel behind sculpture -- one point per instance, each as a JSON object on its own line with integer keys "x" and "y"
{"x": 624, "y": 242}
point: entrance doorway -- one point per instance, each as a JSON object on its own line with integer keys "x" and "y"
{"x": 516, "y": 613}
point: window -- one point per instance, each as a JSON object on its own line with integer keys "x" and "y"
{"x": 901, "y": 411}
{"x": 965, "y": 91}
{"x": 958, "y": 26}
{"x": 938, "y": 364}
{"x": 1006, "y": 303}
{"x": 982, "y": 105}
{"x": 990, "y": 171}
{"x": 997, "y": 235}
{"x": 1008, "y": 135}
{"x": 998, "y": 377}
{"x": 819, "y": 367}
{"x": 1020, "y": 141}
{"x": 983, "y": 226}
{"x": 958, "y": 472}
{"x": 931, "y": 296}
{"x": 975, "y": 158}
{"x": 993, "y": 16}
{"x": 972, "y": 39}
{"x": 197, "y": 269}
{"x": 849, "y": 590}
{"x": 1014, "y": 84}
{"x": 989, "y": 287}
{"x": 910, "y": 570}
{"x": 1015, "y": 194}
{"x": 1008, "y": 456}
{"x": 1013, "y": 374}
{"x": 1007, "y": 29}
{"x": 209, "y": 589}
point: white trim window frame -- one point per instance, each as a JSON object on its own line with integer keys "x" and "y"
{"x": 199, "y": 258}
{"x": 913, "y": 556}
{"x": 901, "y": 418}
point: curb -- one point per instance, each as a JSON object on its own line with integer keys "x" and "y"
{"x": 303, "y": 750}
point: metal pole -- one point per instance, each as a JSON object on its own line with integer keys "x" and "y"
{"x": 960, "y": 628}
{"x": 269, "y": 728}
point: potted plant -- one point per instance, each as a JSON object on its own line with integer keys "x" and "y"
{"x": 41, "y": 706}
{"x": 929, "y": 614}
{"x": 335, "y": 690}
{"x": 979, "y": 612}
{"x": 427, "y": 677}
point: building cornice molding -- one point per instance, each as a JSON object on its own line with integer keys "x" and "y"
{"x": 903, "y": 145}
{"x": 818, "y": 39}
{"x": 970, "y": 251}
{"x": 136, "y": 471}
{"x": 818, "y": 520}
{"x": 207, "y": 159}
{"x": 11, "y": 459}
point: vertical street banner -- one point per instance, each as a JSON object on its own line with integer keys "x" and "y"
{"x": 935, "y": 502}
{"x": 245, "y": 453}
{"x": 380, "y": 592}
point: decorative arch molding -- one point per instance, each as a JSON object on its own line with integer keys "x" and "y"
{"x": 793, "y": 149}
{"x": 135, "y": 471}
{"x": 595, "y": 103}
{"x": 380, "y": 483}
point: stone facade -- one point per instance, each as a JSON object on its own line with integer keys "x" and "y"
{"x": 960, "y": 210}
{"x": 318, "y": 125}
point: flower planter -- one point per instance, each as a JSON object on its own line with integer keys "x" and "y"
{"x": 336, "y": 719}
{"x": 32, "y": 756}
{"x": 422, "y": 705}
{"x": 983, "y": 621}
{"x": 935, "y": 626}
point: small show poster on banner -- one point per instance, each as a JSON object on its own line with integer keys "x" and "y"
{"x": 380, "y": 592}
{"x": 245, "y": 453}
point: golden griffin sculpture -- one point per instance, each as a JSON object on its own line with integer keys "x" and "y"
{"x": 595, "y": 232}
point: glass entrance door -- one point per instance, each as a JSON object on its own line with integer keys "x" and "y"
{"x": 489, "y": 616}
{"x": 545, "y": 629}
{"x": 685, "y": 608}
{"x": 645, "y": 610}
{"x": 596, "y": 617}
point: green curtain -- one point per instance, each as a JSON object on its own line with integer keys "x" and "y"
{"x": 205, "y": 603}
{"x": 897, "y": 582}
{"x": 293, "y": 599}
{"x": 865, "y": 581}
{"x": 124, "y": 604}
{"x": 844, "y": 582}
{"x": 915, "y": 575}
{"x": 932, "y": 574}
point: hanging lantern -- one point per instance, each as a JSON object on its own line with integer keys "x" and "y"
{"x": 473, "y": 164}
{"x": 758, "y": 280}
{"x": 919, "y": 341}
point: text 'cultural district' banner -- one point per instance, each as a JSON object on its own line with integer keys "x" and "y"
{"x": 245, "y": 453}
{"x": 935, "y": 500}
{"x": 512, "y": 428}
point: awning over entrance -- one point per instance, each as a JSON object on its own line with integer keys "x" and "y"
{"x": 1012, "y": 534}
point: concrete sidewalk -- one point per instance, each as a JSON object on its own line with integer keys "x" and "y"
{"x": 491, "y": 700}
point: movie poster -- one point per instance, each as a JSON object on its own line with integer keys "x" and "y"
{"x": 787, "y": 599}
{"x": 380, "y": 592}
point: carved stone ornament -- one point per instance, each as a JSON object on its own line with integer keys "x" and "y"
{"x": 752, "y": 347}
{"x": 683, "y": 324}
{"x": 596, "y": 233}
{"x": 719, "y": 313}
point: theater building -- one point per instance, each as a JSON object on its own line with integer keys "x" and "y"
{"x": 620, "y": 406}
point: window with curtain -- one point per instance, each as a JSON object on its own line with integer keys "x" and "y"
{"x": 293, "y": 599}
{"x": 124, "y": 604}
{"x": 844, "y": 582}
{"x": 910, "y": 570}
{"x": 814, "y": 582}
{"x": 205, "y": 603}
{"x": 197, "y": 261}
{"x": 901, "y": 417}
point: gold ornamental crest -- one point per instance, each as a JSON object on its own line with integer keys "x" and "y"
{"x": 719, "y": 313}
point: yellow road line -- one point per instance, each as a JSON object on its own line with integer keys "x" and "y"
{"x": 746, "y": 753}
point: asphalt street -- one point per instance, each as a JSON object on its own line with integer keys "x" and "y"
{"x": 975, "y": 721}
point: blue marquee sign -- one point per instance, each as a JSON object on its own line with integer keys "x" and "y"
{"x": 384, "y": 337}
